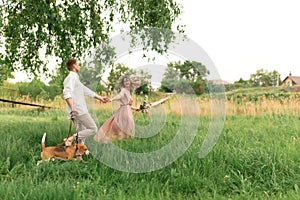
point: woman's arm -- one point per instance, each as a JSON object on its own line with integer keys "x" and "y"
{"x": 135, "y": 108}
{"x": 118, "y": 96}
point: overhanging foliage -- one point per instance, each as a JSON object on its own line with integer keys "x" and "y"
{"x": 34, "y": 29}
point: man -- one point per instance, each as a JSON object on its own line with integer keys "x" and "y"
{"x": 74, "y": 93}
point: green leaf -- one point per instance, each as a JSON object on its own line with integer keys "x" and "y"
{"x": 69, "y": 28}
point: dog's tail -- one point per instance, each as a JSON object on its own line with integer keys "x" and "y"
{"x": 43, "y": 141}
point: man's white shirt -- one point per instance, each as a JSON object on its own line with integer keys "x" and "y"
{"x": 74, "y": 89}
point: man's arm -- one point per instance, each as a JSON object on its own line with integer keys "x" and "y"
{"x": 91, "y": 93}
{"x": 70, "y": 103}
{"x": 67, "y": 94}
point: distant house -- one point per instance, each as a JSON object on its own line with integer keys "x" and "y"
{"x": 219, "y": 82}
{"x": 291, "y": 81}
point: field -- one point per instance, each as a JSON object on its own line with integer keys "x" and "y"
{"x": 256, "y": 157}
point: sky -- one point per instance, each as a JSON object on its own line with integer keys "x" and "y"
{"x": 241, "y": 37}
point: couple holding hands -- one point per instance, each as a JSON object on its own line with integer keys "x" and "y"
{"x": 119, "y": 126}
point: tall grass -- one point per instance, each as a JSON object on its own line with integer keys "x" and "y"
{"x": 256, "y": 157}
{"x": 251, "y": 101}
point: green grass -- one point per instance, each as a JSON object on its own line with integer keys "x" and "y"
{"x": 256, "y": 157}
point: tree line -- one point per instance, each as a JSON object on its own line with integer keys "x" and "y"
{"x": 189, "y": 77}
{"x": 261, "y": 78}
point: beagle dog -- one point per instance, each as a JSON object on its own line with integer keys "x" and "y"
{"x": 61, "y": 152}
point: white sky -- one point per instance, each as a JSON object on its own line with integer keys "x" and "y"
{"x": 243, "y": 36}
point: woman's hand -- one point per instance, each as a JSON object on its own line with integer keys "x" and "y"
{"x": 105, "y": 99}
{"x": 102, "y": 99}
{"x": 135, "y": 108}
{"x": 130, "y": 102}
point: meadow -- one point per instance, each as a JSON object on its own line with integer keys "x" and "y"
{"x": 256, "y": 157}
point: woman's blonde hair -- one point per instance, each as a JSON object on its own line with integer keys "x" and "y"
{"x": 134, "y": 82}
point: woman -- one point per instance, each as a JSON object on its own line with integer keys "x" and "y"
{"x": 121, "y": 124}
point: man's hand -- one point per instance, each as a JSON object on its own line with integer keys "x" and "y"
{"x": 73, "y": 114}
{"x": 104, "y": 99}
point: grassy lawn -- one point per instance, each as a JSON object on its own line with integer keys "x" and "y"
{"x": 256, "y": 157}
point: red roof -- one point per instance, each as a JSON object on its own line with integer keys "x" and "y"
{"x": 295, "y": 79}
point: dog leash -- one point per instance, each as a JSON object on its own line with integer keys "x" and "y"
{"x": 70, "y": 129}
{"x": 73, "y": 115}
{"x": 69, "y": 133}
{"x": 76, "y": 137}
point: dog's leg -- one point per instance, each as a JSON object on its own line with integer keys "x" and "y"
{"x": 60, "y": 158}
{"x": 39, "y": 162}
{"x": 44, "y": 160}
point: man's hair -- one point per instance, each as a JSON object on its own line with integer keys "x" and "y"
{"x": 70, "y": 63}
